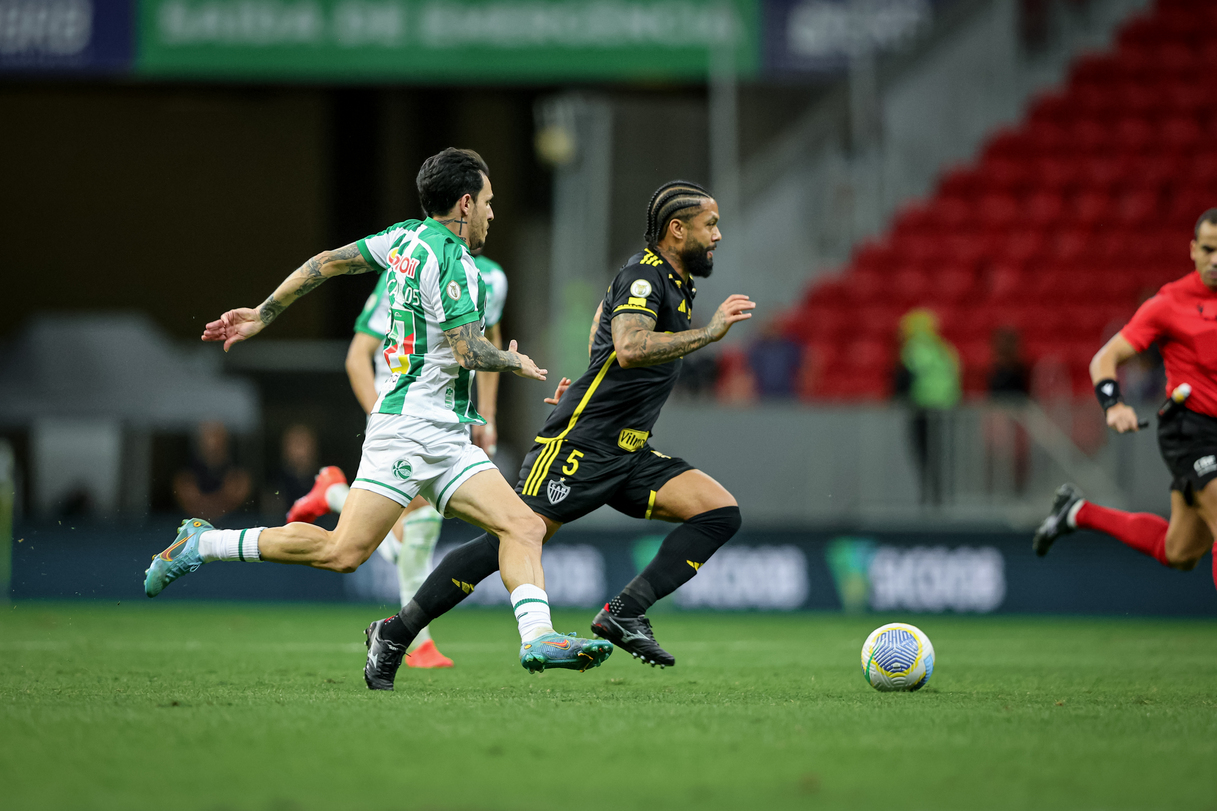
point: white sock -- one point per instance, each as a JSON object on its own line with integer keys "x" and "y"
{"x": 420, "y": 535}
{"x": 230, "y": 544}
{"x": 336, "y": 496}
{"x": 390, "y": 548}
{"x": 1071, "y": 517}
{"x": 531, "y": 607}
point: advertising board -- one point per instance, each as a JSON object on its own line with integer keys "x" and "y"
{"x": 77, "y": 36}
{"x": 443, "y": 40}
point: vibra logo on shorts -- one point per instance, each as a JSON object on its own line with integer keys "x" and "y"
{"x": 402, "y": 469}
{"x": 1205, "y": 464}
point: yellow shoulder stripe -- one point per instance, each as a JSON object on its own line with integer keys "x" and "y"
{"x": 621, "y": 307}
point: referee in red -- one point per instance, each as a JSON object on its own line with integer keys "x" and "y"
{"x": 1182, "y": 318}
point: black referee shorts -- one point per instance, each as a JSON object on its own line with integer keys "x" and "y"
{"x": 1188, "y": 441}
{"x": 563, "y": 481}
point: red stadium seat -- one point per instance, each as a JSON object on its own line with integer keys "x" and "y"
{"x": 911, "y": 286}
{"x": 1044, "y": 208}
{"x": 1024, "y": 245}
{"x": 1006, "y": 281}
{"x": 864, "y": 286}
{"x": 953, "y": 283}
{"x": 1072, "y": 245}
{"x": 1104, "y": 171}
{"x": 1056, "y": 108}
{"x": 965, "y": 248}
{"x": 1138, "y": 207}
{"x": 962, "y": 181}
{"x": 1008, "y": 143}
{"x": 879, "y": 320}
{"x": 1134, "y": 134}
{"x": 820, "y": 325}
{"x": 1006, "y": 174}
{"x": 954, "y": 212}
{"x": 914, "y": 218}
{"x": 874, "y": 255}
{"x": 1088, "y": 135}
{"x": 1048, "y": 138}
{"x": 868, "y": 356}
{"x": 1058, "y": 230}
{"x": 997, "y": 210}
{"x": 1058, "y": 173}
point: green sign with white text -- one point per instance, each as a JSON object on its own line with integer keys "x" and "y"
{"x": 444, "y": 41}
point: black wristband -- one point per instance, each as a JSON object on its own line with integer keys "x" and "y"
{"x": 1108, "y": 392}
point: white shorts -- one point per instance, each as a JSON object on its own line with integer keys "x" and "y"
{"x": 406, "y": 456}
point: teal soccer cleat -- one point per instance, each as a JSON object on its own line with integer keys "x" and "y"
{"x": 179, "y": 559}
{"x": 563, "y": 650}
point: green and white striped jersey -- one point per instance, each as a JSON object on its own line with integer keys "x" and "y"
{"x": 376, "y": 316}
{"x": 432, "y": 285}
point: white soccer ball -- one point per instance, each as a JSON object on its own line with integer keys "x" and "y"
{"x": 897, "y": 657}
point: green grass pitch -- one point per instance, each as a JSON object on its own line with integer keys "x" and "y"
{"x": 222, "y": 706}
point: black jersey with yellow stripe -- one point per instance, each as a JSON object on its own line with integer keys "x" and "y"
{"x": 610, "y": 407}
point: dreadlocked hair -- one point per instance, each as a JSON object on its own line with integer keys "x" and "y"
{"x": 667, "y": 202}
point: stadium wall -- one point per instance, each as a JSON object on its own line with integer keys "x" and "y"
{"x": 961, "y": 571}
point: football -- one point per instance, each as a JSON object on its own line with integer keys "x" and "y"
{"x": 897, "y": 657}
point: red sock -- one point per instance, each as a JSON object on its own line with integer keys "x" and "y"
{"x": 1144, "y": 532}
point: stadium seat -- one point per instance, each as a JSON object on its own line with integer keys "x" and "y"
{"x": 1062, "y": 224}
{"x": 1044, "y": 208}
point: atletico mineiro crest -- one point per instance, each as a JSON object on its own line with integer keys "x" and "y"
{"x": 557, "y": 490}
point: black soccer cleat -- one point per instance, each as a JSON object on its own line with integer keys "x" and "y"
{"x": 384, "y": 658}
{"x": 1055, "y": 525}
{"x": 634, "y": 636}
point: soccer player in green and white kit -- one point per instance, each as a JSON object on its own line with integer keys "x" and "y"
{"x": 411, "y": 543}
{"x": 416, "y": 440}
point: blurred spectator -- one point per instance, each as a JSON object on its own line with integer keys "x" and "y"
{"x": 1009, "y": 375}
{"x": 735, "y": 383}
{"x": 297, "y": 468}
{"x": 1006, "y": 443}
{"x": 1143, "y": 378}
{"x": 213, "y": 486}
{"x": 775, "y": 361}
{"x": 697, "y": 375}
{"x": 928, "y": 377}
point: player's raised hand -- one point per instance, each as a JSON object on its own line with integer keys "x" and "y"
{"x": 233, "y": 326}
{"x": 527, "y": 368}
{"x": 1122, "y": 418}
{"x": 563, "y": 385}
{"x": 734, "y": 309}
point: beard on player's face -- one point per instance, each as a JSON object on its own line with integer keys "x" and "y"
{"x": 695, "y": 256}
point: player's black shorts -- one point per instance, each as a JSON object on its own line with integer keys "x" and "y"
{"x": 563, "y": 481}
{"x": 1188, "y": 442}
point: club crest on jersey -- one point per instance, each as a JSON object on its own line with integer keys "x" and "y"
{"x": 402, "y": 469}
{"x": 557, "y": 490}
{"x": 454, "y": 291}
{"x": 1205, "y": 465}
{"x": 640, "y": 288}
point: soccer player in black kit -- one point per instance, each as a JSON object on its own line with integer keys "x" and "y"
{"x": 594, "y": 449}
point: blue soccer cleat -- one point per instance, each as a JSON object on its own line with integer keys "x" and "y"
{"x": 179, "y": 559}
{"x": 563, "y": 650}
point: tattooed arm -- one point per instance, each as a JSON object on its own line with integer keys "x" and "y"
{"x": 638, "y": 344}
{"x": 591, "y": 338}
{"x": 242, "y": 323}
{"x": 473, "y": 351}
